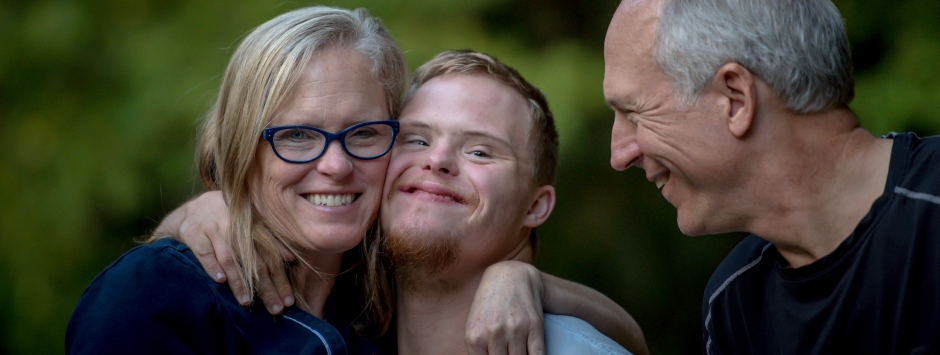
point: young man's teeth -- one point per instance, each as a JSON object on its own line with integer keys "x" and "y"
{"x": 661, "y": 181}
{"x": 331, "y": 200}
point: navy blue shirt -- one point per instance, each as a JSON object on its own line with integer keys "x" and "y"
{"x": 877, "y": 293}
{"x": 156, "y": 299}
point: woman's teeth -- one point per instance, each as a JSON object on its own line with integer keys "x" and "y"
{"x": 331, "y": 200}
{"x": 661, "y": 181}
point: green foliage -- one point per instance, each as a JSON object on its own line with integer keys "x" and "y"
{"x": 100, "y": 103}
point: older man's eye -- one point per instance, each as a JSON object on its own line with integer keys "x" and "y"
{"x": 479, "y": 154}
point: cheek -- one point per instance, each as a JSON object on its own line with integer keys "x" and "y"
{"x": 273, "y": 183}
{"x": 399, "y": 162}
{"x": 373, "y": 172}
{"x": 499, "y": 192}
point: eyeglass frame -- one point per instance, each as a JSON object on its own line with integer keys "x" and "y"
{"x": 268, "y": 134}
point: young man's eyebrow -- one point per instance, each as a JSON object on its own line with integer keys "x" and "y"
{"x": 417, "y": 124}
{"x": 487, "y": 135}
{"x": 473, "y": 133}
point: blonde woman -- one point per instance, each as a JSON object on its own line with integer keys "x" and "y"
{"x": 297, "y": 144}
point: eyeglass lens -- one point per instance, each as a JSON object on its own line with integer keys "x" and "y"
{"x": 364, "y": 142}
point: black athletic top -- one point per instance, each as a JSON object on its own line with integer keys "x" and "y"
{"x": 877, "y": 293}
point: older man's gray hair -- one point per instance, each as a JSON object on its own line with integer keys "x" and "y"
{"x": 798, "y": 47}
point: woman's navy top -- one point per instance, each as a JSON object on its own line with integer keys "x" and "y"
{"x": 156, "y": 299}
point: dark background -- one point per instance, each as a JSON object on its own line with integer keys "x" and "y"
{"x": 99, "y": 102}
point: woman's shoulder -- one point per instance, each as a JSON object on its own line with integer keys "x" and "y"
{"x": 159, "y": 274}
{"x": 154, "y": 291}
{"x": 161, "y": 256}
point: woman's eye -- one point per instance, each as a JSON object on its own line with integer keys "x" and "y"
{"x": 363, "y": 133}
{"x": 296, "y": 134}
{"x": 479, "y": 154}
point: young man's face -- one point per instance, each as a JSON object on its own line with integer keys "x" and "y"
{"x": 461, "y": 167}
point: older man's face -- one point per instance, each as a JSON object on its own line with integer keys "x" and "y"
{"x": 461, "y": 163}
{"x": 674, "y": 143}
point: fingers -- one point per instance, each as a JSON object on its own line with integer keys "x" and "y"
{"x": 506, "y": 314}
{"x": 201, "y": 246}
{"x": 267, "y": 292}
{"x": 227, "y": 261}
{"x": 498, "y": 350}
{"x": 282, "y": 285}
{"x": 475, "y": 337}
{"x": 536, "y": 338}
{"x": 505, "y": 333}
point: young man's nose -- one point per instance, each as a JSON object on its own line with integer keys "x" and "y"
{"x": 442, "y": 159}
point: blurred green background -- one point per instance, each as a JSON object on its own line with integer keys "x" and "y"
{"x": 99, "y": 102}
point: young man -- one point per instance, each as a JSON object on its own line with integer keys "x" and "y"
{"x": 737, "y": 110}
{"x": 469, "y": 181}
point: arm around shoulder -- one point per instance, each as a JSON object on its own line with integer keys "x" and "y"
{"x": 569, "y": 298}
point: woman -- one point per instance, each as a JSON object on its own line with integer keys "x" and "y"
{"x": 320, "y": 87}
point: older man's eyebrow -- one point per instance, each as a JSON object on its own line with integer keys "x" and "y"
{"x": 618, "y": 104}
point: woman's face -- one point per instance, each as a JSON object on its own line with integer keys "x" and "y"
{"x": 335, "y": 91}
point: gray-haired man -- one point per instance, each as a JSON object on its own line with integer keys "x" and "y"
{"x": 737, "y": 110}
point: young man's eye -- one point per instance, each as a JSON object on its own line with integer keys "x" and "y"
{"x": 413, "y": 139}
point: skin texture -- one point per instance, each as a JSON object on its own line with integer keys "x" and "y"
{"x": 737, "y": 159}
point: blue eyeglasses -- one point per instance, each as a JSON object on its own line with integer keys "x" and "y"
{"x": 303, "y": 144}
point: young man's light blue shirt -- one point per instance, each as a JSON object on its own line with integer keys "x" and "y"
{"x": 566, "y": 335}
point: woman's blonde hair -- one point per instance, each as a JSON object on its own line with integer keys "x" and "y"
{"x": 259, "y": 77}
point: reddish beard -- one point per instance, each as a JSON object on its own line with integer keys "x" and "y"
{"x": 419, "y": 256}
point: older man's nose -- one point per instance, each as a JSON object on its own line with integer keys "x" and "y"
{"x": 624, "y": 151}
{"x": 335, "y": 163}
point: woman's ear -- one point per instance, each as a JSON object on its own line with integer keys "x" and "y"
{"x": 736, "y": 85}
{"x": 541, "y": 207}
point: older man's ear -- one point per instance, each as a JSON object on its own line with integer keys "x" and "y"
{"x": 737, "y": 89}
{"x": 543, "y": 202}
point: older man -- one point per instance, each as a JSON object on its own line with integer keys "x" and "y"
{"x": 737, "y": 110}
{"x": 470, "y": 180}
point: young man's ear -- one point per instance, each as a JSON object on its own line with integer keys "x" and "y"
{"x": 543, "y": 202}
{"x": 735, "y": 84}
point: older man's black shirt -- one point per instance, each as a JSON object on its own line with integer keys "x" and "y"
{"x": 877, "y": 293}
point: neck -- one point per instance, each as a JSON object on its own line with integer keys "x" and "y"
{"x": 432, "y": 316}
{"x": 822, "y": 174}
{"x": 314, "y": 280}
